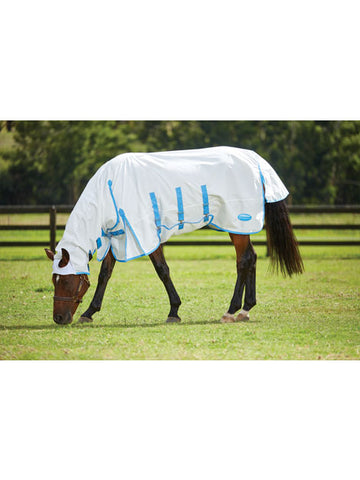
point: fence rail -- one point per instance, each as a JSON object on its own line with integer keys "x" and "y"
{"x": 52, "y": 227}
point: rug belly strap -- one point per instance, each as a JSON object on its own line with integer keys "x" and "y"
{"x": 180, "y": 207}
{"x": 205, "y": 202}
{"x": 156, "y": 210}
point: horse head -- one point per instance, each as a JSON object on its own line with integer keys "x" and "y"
{"x": 69, "y": 288}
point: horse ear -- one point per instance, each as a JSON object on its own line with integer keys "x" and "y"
{"x": 49, "y": 254}
{"x": 65, "y": 258}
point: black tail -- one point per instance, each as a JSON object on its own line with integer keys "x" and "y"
{"x": 282, "y": 244}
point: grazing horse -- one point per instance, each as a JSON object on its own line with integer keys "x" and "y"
{"x": 135, "y": 202}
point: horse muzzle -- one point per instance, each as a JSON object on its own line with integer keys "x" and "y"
{"x": 63, "y": 319}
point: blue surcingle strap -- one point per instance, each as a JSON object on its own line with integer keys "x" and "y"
{"x": 108, "y": 234}
{"x": 180, "y": 207}
{"x": 205, "y": 202}
{"x": 114, "y": 202}
{"x": 156, "y": 210}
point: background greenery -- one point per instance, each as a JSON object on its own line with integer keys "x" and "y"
{"x": 44, "y": 162}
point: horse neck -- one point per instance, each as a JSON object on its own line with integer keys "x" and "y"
{"x": 81, "y": 232}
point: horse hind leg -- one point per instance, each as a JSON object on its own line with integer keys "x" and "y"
{"x": 246, "y": 280}
{"x": 250, "y": 287}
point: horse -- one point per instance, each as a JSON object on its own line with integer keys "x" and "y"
{"x": 135, "y": 202}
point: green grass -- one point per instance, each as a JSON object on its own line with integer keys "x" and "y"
{"x": 313, "y": 316}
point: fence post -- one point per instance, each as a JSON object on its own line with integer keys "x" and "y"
{"x": 52, "y": 228}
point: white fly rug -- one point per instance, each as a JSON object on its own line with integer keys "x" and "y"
{"x": 136, "y": 201}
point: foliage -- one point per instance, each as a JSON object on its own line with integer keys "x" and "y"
{"x": 51, "y": 161}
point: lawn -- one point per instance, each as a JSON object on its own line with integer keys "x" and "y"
{"x": 313, "y": 316}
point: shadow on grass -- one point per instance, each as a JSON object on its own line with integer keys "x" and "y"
{"x": 113, "y": 325}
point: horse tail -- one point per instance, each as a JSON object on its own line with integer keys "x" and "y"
{"x": 282, "y": 244}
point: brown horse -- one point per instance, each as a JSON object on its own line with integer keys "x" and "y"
{"x": 135, "y": 202}
{"x": 283, "y": 250}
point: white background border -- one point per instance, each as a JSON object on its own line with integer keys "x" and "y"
{"x": 162, "y": 60}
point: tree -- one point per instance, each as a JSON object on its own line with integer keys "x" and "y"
{"x": 53, "y": 160}
{"x": 318, "y": 161}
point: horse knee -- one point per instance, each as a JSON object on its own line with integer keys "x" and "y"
{"x": 104, "y": 276}
{"x": 105, "y": 272}
{"x": 163, "y": 271}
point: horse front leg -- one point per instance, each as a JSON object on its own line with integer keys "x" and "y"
{"x": 106, "y": 270}
{"x": 162, "y": 269}
{"x": 246, "y": 280}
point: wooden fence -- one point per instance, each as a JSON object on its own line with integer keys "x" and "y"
{"x": 52, "y": 227}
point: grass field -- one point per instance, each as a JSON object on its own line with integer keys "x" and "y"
{"x": 313, "y": 316}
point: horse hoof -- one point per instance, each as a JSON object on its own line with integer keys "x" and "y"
{"x": 84, "y": 320}
{"x": 243, "y": 317}
{"x": 173, "y": 320}
{"x": 228, "y": 318}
